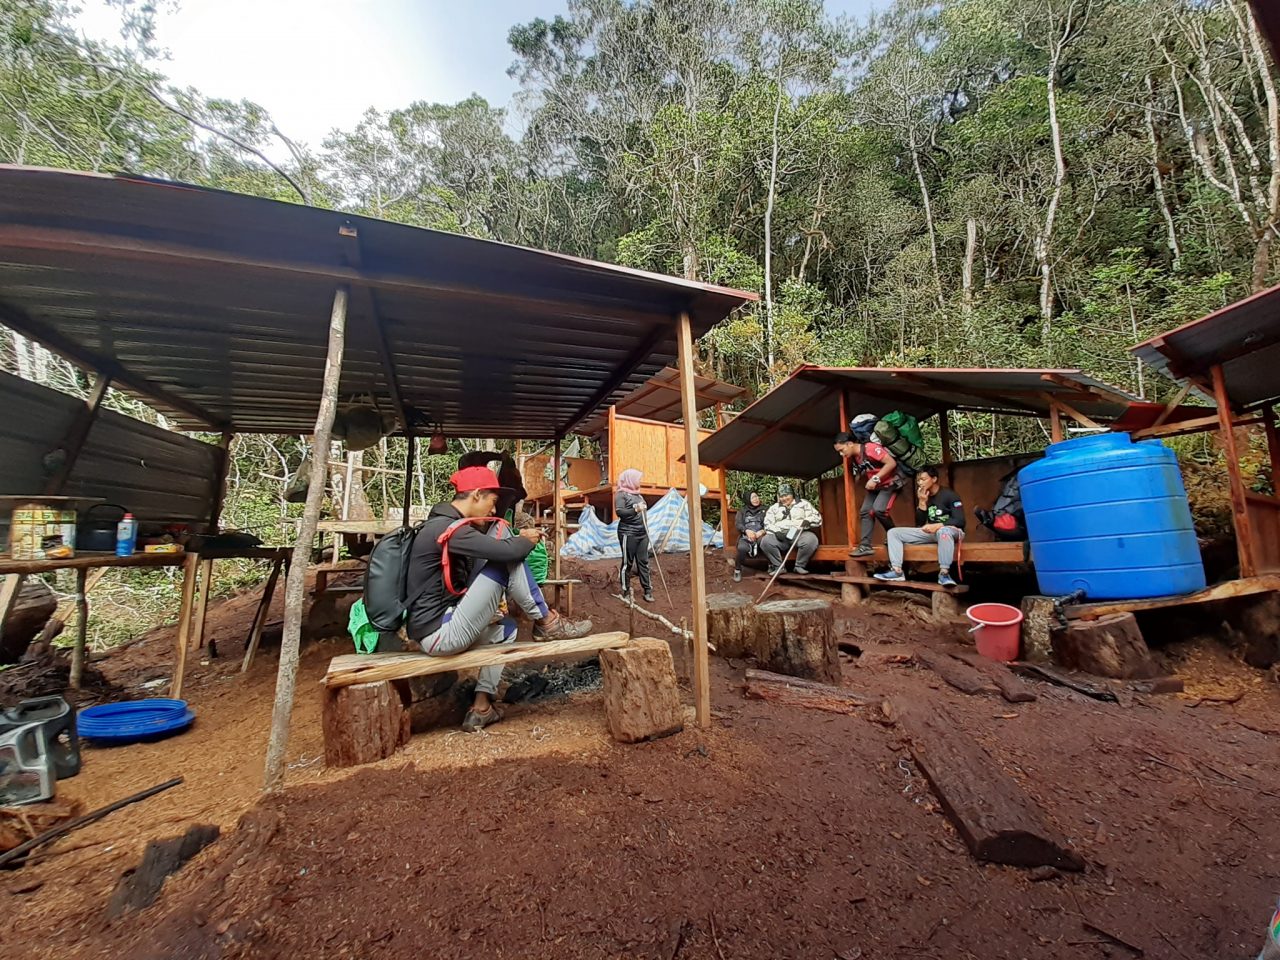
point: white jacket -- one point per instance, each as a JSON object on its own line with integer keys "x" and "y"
{"x": 783, "y": 520}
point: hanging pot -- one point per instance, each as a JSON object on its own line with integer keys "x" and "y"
{"x": 97, "y": 534}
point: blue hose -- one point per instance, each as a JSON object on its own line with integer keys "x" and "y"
{"x": 134, "y": 720}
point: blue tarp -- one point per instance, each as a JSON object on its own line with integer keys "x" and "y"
{"x": 668, "y": 528}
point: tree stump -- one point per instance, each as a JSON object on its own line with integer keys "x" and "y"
{"x": 944, "y": 606}
{"x": 797, "y": 637}
{"x": 1038, "y": 625}
{"x": 1110, "y": 646}
{"x": 435, "y": 701}
{"x": 641, "y": 695}
{"x": 363, "y": 722}
{"x": 731, "y": 624}
{"x": 34, "y": 605}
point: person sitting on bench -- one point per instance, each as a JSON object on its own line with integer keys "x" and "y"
{"x": 750, "y": 524}
{"x": 883, "y": 485}
{"x": 790, "y": 521}
{"x": 941, "y": 517}
{"x": 459, "y": 576}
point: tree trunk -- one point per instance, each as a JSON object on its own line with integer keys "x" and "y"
{"x": 362, "y": 723}
{"x": 731, "y": 624}
{"x": 768, "y": 242}
{"x": 928, "y": 218}
{"x": 970, "y": 252}
{"x": 641, "y": 693}
{"x": 1157, "y": 180}
{"x": 296, "y": 584}
{"x": 1262, "y": 254}
{"x": 797, "y": 637}
{"x": 1044, "y": 239}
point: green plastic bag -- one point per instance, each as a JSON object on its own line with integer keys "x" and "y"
{"x": 538, "y": 563}
{"x": 364, "y": 633}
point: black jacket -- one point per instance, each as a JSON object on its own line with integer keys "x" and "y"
{"x": 751, "y": 518}
{"x": 469, "y": 548}
{"x": 630, "y": 523}
{"x": 944, "y": 507}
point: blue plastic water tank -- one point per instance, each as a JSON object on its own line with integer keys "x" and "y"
{"x": 1110, "y": 517}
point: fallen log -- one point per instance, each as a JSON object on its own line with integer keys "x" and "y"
{"x": 1011, "y": 688}
{"x": 1065, "y": 680}
{"x": 997, "y": 820}
{"x": 959, "y": 675}
{"x": 798, "y": 692}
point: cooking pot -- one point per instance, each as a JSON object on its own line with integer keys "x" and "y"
{"x": 97, "y": 534}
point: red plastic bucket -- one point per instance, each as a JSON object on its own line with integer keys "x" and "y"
{"x": 999, "y": 630}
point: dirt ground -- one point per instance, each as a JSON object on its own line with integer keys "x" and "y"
{"x": 777, "y": 832}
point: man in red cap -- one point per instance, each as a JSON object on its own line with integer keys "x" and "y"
{"x": 459, "y": 574}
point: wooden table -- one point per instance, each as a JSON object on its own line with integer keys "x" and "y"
{"x": 197, "y": 575}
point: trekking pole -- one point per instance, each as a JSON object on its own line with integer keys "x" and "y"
{"x": 644, "y": 517}
{"x": 782, "y": 565}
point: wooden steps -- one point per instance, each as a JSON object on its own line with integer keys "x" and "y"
{"x": 370, "y": 668}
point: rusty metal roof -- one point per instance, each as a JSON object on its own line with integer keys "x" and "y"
{"x": 215, "y": 306}
{"x": 788, "y": 431}
{"x": 1244, "y": 337}
{"x": 659, "y": 399}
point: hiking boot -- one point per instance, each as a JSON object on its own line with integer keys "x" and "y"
{"x": 561, "y": 628}
{"x": 944, "y": 579}
{"x": 476, "y": 720}
{"x": 890, "y": 575}
{"x": 648, "y": 596}
{"x": 773, "y": 570}
{"x": 863, "y": 552}
{"x": 737, "y": 576}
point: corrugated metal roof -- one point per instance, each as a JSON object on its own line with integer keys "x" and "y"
{"x": 659, "y": 399}
{"x": 215, "y": 307}
{"x": 788, "y": 431}
{"x": 1244, "y": 337}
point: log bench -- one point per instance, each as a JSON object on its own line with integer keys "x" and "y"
{"x": 942, "y": 598}
{"x": 366, "y": 696}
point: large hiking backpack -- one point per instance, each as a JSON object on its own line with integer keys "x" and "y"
{"x": 897, "y": 432}
{"x": 906, "y": 425}
{"x": 862, "y": 427}
{"x": 1006, "y": 518}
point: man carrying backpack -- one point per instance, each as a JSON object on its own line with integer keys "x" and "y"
{"x": 460, "y": 574}
{"x": 883, "y": 484}
{"x": 940, "y": 516}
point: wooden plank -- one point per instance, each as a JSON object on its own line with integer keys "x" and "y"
{"x": 1197, "y": 425}
{"x": 557, "y": 511}
{"x": 77, "y": 434}
{"x": 991, "y": 552}
{"x": 925, "y": 585}
{"x": 997, "y": 820}
{"x": 358, "y": 526}
{"x": 1064, "y": 679}
{"x": 196, "y": 638}
{"x": 1071, "y": 411}
{"x": 1219, "y": 591}
{"x": 957, "y": 674}
{"x": 559, "y": 583}
{"x": 697, "y": 559}
{"x": 944, "y": 434}
{"x": 1055, "y": 422}
{"x": 410, "y": 459}
{"x": 82, "y": 561}
{"x": 1172, "y": 405}
{"x": 850, "y": 500}
{"x": 190, "y": 564}
{"x": 1273, "y": 447}
{"x": 369, "y": 668}
{"x": 342, "y": 566}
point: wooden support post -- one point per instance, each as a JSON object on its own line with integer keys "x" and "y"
{"x": 611, "y": 445}
{"x": 9, "y": 592}
{"x": 410, "y": 461}
{"x": 1273, "y": 448}
{"x": 220, "y": 484}
{"x": 726, "y": 530}
{"x": 82, "y": 628}
{"x": 77, "y": 434}
{"x": 1172, "y": 405}
{"x": 296, "y": 581}
{"x": 557, "y": 509}
{"x": 697, "y": 561}
{"x": 1055, "y": 423}
{"x": 260, "y": 617}
{"x": 190, "y": 573}
{"x": 1239, "y": 505}
{"x": 195, "y": 638}
{"x": 850, "y": 501}
{"x": 944, "y": 434}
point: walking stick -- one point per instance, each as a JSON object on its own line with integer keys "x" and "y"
{"x": 644, "y": 517}
{"x": 782, "y": 565}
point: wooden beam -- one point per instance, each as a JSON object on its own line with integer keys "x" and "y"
{"x": 410, "y": 461}
{"x": 697, "y": 560}
{"x": 778, "y": 424}
{"x": 1091, "y": 388}
{"x": 1239, "y": 505}
{"x": 260, "y": 616}
{"x": 1172, "y": 405}
{"x": 1071, "y": 411}
{"x": 182, "y": 636}
{"x": 611, "y": 447}
{"x": 1055, "y": 423}
{"x": 87, "y": 360}
{"x": 1197, "y": 425}
{"x": 726, "y": 531}
{"x": 850, "y": 500}
{"x": 220, "y": 482}
{"x": 1273, "y": 448}
{"x": 1269, "y": 583}
{"x": 296, "y": 582}
{"x": 618, "y": 377}
{"x": 557, "y": 509}
{"x": 77, "y": 434}
{"x": 82, "y": 629}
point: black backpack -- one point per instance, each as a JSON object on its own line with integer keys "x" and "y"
{"x": 1006, "y": 518}
{"x": 386, "y": 582}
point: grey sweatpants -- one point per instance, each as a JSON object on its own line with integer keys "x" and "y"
{"x": 946, "y": 539}
{"x": 472, "y": 622}
{"x": 776, "y": 547}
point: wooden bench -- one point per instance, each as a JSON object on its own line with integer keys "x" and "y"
{"x": 942, "y": 600}
{"x": 365, "y": 714}
{"x": 970, "y": 552}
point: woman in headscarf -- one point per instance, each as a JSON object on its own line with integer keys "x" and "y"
{"x": 633, "y": 533}
{"x": 751, "y": 531}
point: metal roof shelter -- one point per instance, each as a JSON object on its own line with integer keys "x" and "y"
{"x": 212, "y": 306}
{"x": 659, "y": 399}
{"x": 788, "y": 431}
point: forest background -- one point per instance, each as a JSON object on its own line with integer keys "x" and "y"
{"x": 955, "y": 183}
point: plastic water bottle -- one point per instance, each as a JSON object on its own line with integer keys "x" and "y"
{"x": 1271, "y": 949}
{"x": 126, "y": 536}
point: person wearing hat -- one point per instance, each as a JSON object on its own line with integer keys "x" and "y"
{"x": 461, "y": 569}
{"x": 790, "y": 521}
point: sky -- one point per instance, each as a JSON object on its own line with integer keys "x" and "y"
{"x": 319, "y": 64}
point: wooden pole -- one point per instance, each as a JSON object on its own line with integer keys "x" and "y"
{"x": 220, "y": 484}
{"x": 260, "y": 617}
{"x": 195, "y": 636}
{"x": 190, "y": 573}
{"x": 77, "y": 434}
{"x": 1055, "y": 423}
{"x": 850, "y": 506}
{"x": 944, "y": 434}
{"x": 82, "y": 628}
{"x": 296, "y": 581}
{"x": 557, "y": 511}
{"x": 1239, "y": 505}
{"x": 726, "y": 531}
{"x": 410, "y": 461}
{"x": 697, "y": 561}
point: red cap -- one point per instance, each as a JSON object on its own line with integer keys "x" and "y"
{"x": 475, "y": 478}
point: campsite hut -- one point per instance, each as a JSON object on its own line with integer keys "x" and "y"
{"x": 642, "y": 430}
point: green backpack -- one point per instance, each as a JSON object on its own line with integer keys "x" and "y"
{"x": 899, "y": 433}
{"x": 908, "y": 426}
